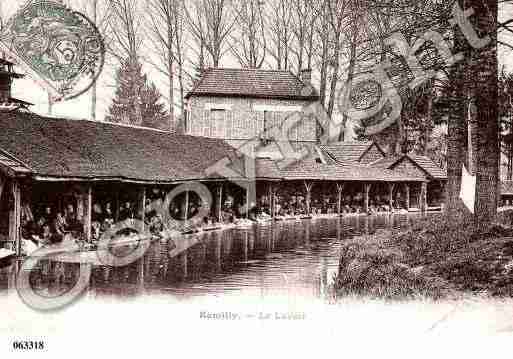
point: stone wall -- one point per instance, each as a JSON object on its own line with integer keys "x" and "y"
{"x": 240, "y": 119}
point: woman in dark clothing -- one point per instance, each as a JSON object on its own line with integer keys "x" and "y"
{"x": 126, "y": 212}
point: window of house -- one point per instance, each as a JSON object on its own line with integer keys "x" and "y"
{"x": 217, "y": 113}
{"x": 217, "y": 117}
{"x": 263, "y": 134}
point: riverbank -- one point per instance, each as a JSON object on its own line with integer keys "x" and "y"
{"x": 434, "y": 258}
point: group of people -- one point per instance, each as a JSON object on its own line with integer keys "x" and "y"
{"x": 51, "y": 225}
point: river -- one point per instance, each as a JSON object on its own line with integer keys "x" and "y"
{"x": 282, "y": 259}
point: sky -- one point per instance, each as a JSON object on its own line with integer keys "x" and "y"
{"x": 27, "y": 89}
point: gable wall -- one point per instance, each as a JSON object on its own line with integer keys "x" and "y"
{"x": 409, "y": 168}
{"x": 243, "y": 118}
{"x": 373, "y": 154}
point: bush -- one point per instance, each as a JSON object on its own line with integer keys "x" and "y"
{"x": 372, "y": 267}
{"x": 435, "y": 258}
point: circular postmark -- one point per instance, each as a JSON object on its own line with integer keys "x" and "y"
{"x": 60, "y": 46}
{"x": 366, "y": 97}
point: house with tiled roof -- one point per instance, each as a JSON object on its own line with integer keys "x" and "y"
{"x": 251, "y": 108}
{"x": 242, "y": 106}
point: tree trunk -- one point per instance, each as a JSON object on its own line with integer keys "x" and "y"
{"x": 334, "y": 78}
{"x": 170, "y": 57}
{"x": 350, "y": 75}
{"x": 428, "y": 125}
{"x": 488, "y": 149}
{"x": 94, "y": 89}
{"x": 456, "y": 129}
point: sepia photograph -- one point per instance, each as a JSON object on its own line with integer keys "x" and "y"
{"x": 280, "y": 178}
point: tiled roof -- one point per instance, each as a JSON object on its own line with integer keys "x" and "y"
{"x": 60, "y": 148}
{"x": 347, "y": 151}
{"x": 253, "y": 83}
{"x": 507, "y": 188}
{"x": 424, "y": 162}
{"x": 429, "y": 166}
{"x": 11, "y": 165}
{"x": 385, "y": 162}
{"x": 342, "y": 172}
{"x": 267, "y": 169}
{"x": 50, "y": 148}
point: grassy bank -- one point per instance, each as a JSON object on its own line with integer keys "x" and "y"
{"x": 433, "y": 258}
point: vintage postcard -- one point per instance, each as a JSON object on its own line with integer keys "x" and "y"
{"x": 294, "y": 178}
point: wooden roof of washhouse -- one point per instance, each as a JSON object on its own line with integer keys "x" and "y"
{"x": 79, "y": 149}
{"x": 347, "y": 171}
{"x": 425, "y": 163}
{"x": 257, "y": 83}
{"x": 349, "y": 150}
{"x": 51, "y": 149}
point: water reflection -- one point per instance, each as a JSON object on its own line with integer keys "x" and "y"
{"x": 284, "y": 258}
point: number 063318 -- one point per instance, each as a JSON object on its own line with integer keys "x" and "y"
{"x": 23, "y": 345}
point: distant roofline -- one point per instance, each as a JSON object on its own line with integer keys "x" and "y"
{"x": 69, "y": 118}
{"x": 401, "y": 157}
{"x": 193, "y": 92}
{"x": 262, "y": 97}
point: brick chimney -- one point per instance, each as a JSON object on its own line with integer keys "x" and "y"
{"x": 7, "y": 75}
{"x": 305, "y": 76}
{"x": 5, "y": 82}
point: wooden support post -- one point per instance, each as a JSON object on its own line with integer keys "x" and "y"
{"x": 15, "y": 217}
{"x": 143, "y": 207}
{"x": 271, "y": 200}
{"x": 423, "y": 197}
{"x": 88, "y": 209}
{"x": 186, "y": 210}
{"x": 184, "y": 264}
{"x": 245, "y": 240}
{"x": 366, "y": 192}
{"x": 407, "y": 190}
{"x": 274, "y": 201}
{"x": 391, "y": 196}
{"x": 340, "y": 188}
{"x": 116, "y": 215}
{"x": 247, "y": 202}
{"x": 2, "y": 184}
{"x": 444, "y": 194}
{"x": 220, "y": 203}
{"x": 218, "y": 251}
{"x": 308, "y": 187}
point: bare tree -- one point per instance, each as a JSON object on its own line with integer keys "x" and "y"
{"x": 279, "y": 34}
{"x": 249, "y": 44}
{"x": 125, "y": 30}
{"x": 303, "y": 22}
{"x": 210, "y": 23}
{"x": 98, "y": 11}
{"x": 162, "y": 21}
{"x": 323, "y": 38}
{"x": 126, "y": 33}
{"x": 337, "y": 12}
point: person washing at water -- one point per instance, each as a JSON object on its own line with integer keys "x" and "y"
{"x": 126, "y": 212}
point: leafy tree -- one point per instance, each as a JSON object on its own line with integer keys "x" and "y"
{"x": 137, "y": 101}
